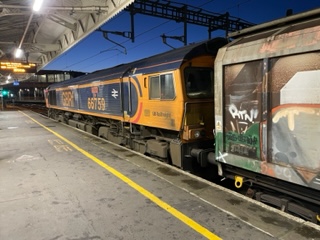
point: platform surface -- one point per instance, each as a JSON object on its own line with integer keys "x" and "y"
{"x": 60, "y": 183}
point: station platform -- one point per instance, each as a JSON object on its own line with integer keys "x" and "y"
{"x": 60, "y": 183}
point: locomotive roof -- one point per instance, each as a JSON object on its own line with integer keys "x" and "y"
{"x": 162, "y": 62}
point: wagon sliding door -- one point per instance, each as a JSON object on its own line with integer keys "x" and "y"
{"x": 294, "y": 132}
{"x": 243, "y": 112}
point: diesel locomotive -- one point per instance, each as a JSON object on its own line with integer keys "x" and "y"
{"x": 161, "y": 105}
{"x": 250, "y": 106}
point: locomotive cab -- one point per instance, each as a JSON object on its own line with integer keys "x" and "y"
{"x": 198, "y": 83}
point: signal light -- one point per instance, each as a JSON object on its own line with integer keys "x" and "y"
{"x": 4, "y": 93}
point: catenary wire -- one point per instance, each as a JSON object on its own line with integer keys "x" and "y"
{"x": 112, "y": 48}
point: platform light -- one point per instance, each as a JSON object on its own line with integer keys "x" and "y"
{"x": 37, "y": 5}
{"x": 18, "y": 53}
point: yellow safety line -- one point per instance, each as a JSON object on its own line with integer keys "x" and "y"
{"x": 185, "y": 219}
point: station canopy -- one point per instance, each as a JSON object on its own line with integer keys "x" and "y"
{"x": 43, "y": 35}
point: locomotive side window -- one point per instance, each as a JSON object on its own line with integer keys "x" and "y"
{"x": 52, "y": 97}
{"x": 161, "y": 87}
{"x": 154, "y": 87}
{"x": 199, "y": 82}
{"x": 167, "y": 89}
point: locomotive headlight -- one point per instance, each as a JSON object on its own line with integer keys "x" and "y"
{"x": 197, "y": 134}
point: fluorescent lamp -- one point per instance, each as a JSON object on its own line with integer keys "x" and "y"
{"x": 18, "y": 53}
{"x": 37, "y": 5}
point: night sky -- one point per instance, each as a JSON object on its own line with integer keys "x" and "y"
{"x": 95, "y": 52}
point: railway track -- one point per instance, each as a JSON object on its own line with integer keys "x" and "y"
{"x": 32, "y": 106}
